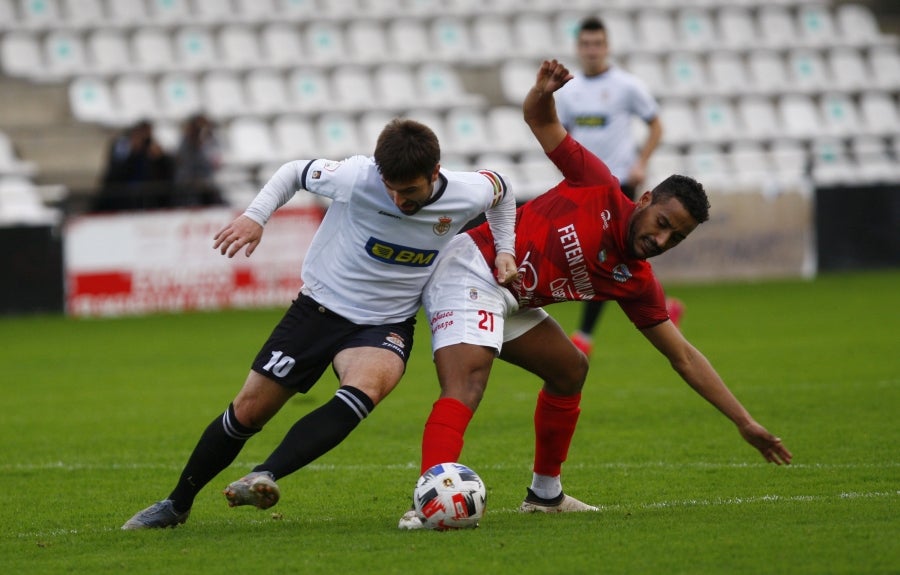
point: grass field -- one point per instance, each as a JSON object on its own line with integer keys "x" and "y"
{"x": 98, "y": 416}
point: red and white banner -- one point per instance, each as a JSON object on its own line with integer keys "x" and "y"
{"x": 135, "y": 263}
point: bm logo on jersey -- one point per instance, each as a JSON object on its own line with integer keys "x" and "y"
{"x": 401, "y": 255}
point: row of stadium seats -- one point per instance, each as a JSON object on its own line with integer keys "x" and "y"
{"x": 813, "y": 20}
{"x": 224, "y": 95}
{"x": 482, "y": 40}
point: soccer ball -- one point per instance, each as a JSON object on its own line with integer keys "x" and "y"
{"x": 449, "y": 496}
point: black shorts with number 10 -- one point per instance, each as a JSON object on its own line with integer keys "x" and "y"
{"x": 307, "y": 338}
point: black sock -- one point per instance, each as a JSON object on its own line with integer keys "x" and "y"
{"x": 218, "y": 446}
{"x": 316, "y": 433}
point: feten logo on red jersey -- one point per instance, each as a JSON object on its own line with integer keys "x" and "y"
{"x": 400, "y": 255}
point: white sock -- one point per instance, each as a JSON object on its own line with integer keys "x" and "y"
{"x": 546, "y": 486}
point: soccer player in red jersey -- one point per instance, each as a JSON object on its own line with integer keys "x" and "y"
{"x": 582, "y": 240}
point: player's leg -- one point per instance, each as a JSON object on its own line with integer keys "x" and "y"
{"x": 545, "y": 351}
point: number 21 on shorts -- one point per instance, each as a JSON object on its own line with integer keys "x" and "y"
{"x": 486, "y": 321}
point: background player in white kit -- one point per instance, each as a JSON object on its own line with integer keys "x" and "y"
{"x": 390, "y": 216}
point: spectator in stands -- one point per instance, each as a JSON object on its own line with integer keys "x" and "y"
{"x": 597, "y": 108}
{"x": 139, "y": 173}
{"x": 196, "y": 161}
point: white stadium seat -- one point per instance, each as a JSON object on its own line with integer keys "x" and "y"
{"x": 223, "y": 95}
{"x": 91, "y": 100}
{"x": 179, "y": 95}
{"x": 239, "y": 47}
{"x": 152, "y": 49}
{"x": 309, "y": 90}
{"x": 135, "y": 98}
{"x": 266, "y": 92}
{"x": 281, "y": 44}
{"x": 108, "y": 51}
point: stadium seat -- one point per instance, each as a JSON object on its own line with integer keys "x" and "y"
{"x": 195, "y": 48}
{"x": 516, "y": 78}
{"x": 294, "y": 138}
{"x": 408, "y": 40}
{"x": 168, "y": 12}
{"x": 807, "y": 71}
{"x": 353, "y": 90}
{"x": 680, "y": 123}
{"x": 857, "y": 25}
{"x": 840, "y": 114}
{"x": 324, "y": 43}
{"x": 768, "y": 73}
{"x": 758, "y": 118}
{"x": 20, "y": 203}
{"x": 431, "y": 118}
{"x": 717, "y": 120}
{"x": 816, "y": 25}
{"x": 534, "y": 36}
{"x": 751, "y": 164}
{"x": 239, "y": 47}
{"x": 108, "y": 51}
{"x": 666, "y": 160}
{"x": 130, "y": 12}
{"x": 620, "y": 32}
{"x": 439, "y": 85}
{"x": 737, "y": 28}
{"x": 39, "y": 15}
{"x": 281, "y": 44}
{"x": 647, "y": 67}
{"x": 790, "y": 161}
{"x": 776, "y": 26}
{"x": 222, "y": 95}
{"x": 64, "y": 54}
{"x": 655, "y": 30}
{"x": 508, "y": 132}
{"x": 266, "y": 92}
{"x": 538, "y": 175}
{"x": 212, "y": 13}
{"x": 135, "y": 98}
{"x": 565, "y": 29}
{"x": 492, "y": 38}
{"x": 695, "y": 29}
{"x": 396, "y": 86}
{"x": 86, "y": 14}
{"x": 91, "y": 101}
{"x": 152, "y": 50}
{"x": 450, "y": 39}
{"x": 879, "y": 114}
{"x": 249, "y": 142}
{"x": 799, "y": 116}
{"x": 873, "y": 161}
{"x": 848, "y": 69}
{"x": 309, "y": 90}
{"x": 710, "y": 165}
{"x": 21, "y": 55}
{"x": 249, "y": 12}
{"x": 884, "y": 62}
{"x": 179, "y": 95}
{"x": 467, "y": 132}
{"x": 8, "y": 17}
{"x": 830, "y": 164}
{"x": 367, "y": 42}
{"x": 727, "y": 73}
{"x": 337, "y": 136}
{"x": 685, "y": 74}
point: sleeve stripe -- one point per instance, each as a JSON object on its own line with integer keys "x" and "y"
{"x": 498, "y": 184}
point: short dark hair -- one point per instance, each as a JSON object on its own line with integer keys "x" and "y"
{"x": 688, "y": 191}
{"x": 591, "y": 24}
{"x": 406, "y": 150}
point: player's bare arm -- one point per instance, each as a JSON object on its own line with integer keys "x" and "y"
{"x": 539, "y": 107}
{"x": 241, "y": 232}
{"x": 696, "y": 370}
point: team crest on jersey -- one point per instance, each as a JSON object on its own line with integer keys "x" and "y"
{"x": 605, "y": 216}
{"x": 473, "y": 294}
{"x": 443, "y": 225}
{"x": 621, "y": 273}
{"x": 601, "y": 257}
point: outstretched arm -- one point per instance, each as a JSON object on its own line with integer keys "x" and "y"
{"x": 539, "y": 107}
{"x": 696, "y": 370}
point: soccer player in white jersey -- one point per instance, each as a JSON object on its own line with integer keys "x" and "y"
{"x": 390, "y": 216}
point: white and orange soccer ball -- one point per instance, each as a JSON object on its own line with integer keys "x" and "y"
{"x": 449, "y": 496}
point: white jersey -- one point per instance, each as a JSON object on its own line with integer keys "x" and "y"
{"x": 597, "y": 111}
{"x": 368, "y": 261}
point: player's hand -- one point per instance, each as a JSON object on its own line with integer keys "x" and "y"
{"x": 767, "y": 444}
{"x": 505, "y": 264}
{"x": 241, "y": 232}
{"x": 552, "y": 76}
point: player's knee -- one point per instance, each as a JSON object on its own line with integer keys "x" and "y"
{"x": 467, "y": 391}
{"x": 569, "y": 377}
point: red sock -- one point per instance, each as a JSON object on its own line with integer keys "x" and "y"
{"x": 555, "y": 418}
{"x": 442, "y": 441}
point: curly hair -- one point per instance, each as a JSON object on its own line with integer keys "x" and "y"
{"x": 688, "y": 191}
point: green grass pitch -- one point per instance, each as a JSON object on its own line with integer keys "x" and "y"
{"x": 98, "y": 416}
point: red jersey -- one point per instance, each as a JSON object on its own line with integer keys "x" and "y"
{"x": 570, "y": 243}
